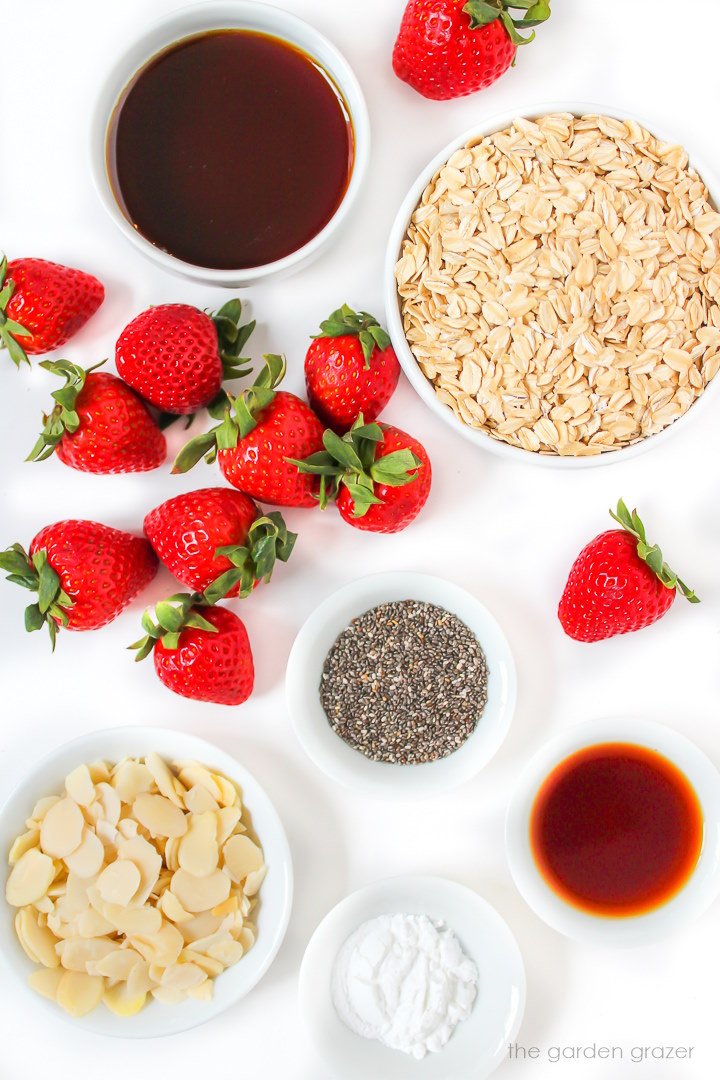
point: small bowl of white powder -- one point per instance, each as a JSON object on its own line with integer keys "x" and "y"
{"x": 412, "y": 975}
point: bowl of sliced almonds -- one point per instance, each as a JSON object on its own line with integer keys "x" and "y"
{"x": 552, "y": 285}
{"x": 148, "y": 882}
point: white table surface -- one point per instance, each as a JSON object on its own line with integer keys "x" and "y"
{"x": 507, "y": 532}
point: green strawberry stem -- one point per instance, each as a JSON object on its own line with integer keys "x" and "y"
{"x": 9, "y": 329}
{"x": 232, "y": 337}
{"x": 483, "y": 12}
{"x": 237, "y": 416}
{"x": 350, "y": 460}
{"x": 268, "y": 539}
{"x": 651, "y": 555}
{"x": 36, "y": 574}
{"x": 362, "y": 325}
{"x": 63, "y": 417}
{"x": 173, "y": 616}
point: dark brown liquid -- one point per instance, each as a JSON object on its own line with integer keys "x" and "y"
{"x": 230, "y": 149}
{"x": 616, "y": 829}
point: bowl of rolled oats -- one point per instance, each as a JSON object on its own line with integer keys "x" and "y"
{"x": 553, "y": 285}
{"x": 148, "y": 882}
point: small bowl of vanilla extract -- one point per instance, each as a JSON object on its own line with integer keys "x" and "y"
{"x": 613, "y": 832}
{"x": 229, "y": 143}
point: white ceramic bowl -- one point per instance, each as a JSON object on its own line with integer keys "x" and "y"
{"x": 229, "y": 14}
{"x": 478, "y": 1044}
{"x": 424, "y": 387}
{"x": 698, "y": 893}
{"x": 275, "y": 897}
{"x": 348, "y": 766}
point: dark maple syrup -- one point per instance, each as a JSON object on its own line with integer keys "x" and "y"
{"x": 616, "y": 829}
{"x": 230, "y": 149}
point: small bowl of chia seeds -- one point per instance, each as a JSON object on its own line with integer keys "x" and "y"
{"x": 401, "y": 685}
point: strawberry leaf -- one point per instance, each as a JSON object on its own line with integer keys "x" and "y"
{"x": 650, "y": 554}
{"x": 362, "y": 325}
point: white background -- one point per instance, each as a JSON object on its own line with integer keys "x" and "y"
{"x": 507, "y": 532}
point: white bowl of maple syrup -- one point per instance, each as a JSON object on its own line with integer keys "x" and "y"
{"x": 229, "y": 142}
{"x": 613, "y": 832}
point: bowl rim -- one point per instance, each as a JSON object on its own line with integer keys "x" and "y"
{"x": 408, "y": 893}
{"x": 625, "y": 931}
{"x": 267, "y": 19}
{"x": 384, "y": 780}
{"x": 411, "y": 368}
{"x": 106, "y": 1023}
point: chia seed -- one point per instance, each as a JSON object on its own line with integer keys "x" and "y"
{"x": 405, "y": 682}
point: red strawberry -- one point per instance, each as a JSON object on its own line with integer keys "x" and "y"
{"x": 379, "y": 476}
{"x": 259, "y": 432}
{"x": 200, "y": 651}
{"x": 448, "y": 48}
{"x": 350, "y": 368}
{"x": 176, "y": 356}
{"x": 618, "y": 583}
{"x": 217, "y": 533}
{"x": 84, "y": 573}
{"x": 99, "y": 424}
{"x": 42, "y": 304}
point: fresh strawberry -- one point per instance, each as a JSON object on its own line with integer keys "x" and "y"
{"x": 378, "y": 475}
{"x": 618, "y": 583}
{"x": 259, "y": 431}
{"x": 84, "y": 574}
{"x": 200, "y": 651}
{"x": 99, "y": 424}
{"x": 449, "y": 48}
{"x": 217, "y": 535}
{"x": 42, "y": 304}
{"x": 350, "y": 368}
{"x": 176, "y": 356}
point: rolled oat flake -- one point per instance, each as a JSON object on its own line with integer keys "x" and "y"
{"x": 405, "y": 682}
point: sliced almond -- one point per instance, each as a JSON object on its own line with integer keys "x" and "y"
{"x": 119, "y": 882}
{"x": 199, "y": 926}
{"x": 254, "y": 880}
{"x": 79, "y": 993}
{"x": 23, "y": 843}
{"x": 99, "y": 772}
{"x": 61, "y": 830}
{"x": 38, "y": 941}
{"x": 108, "y": 800}
{"x": 29, "y": 878}
{"x": 227, "y": 952}
{"x": 192, "y": 774}
{"x": 75, "y": 953}
{"x": 79, "y": 785}
{"x": 241, "y": 857}
{"x": 203, "y": 992}
{"x": 40, "y": 809}
{"x": 167, "y": 995}
{"x": 172, "y": 908}
{"x": 131, "y": 921}
{"x": 119, "y": 1000}
{"x": 198, "y": 849}
{"x": 148, "y": 862}
{"x": 86, "y": 861}
{"x": 200, "y": 894}
{"x": 116, "y": 965}
{"x": 198, "y": 800}
{"x": 159, "y": 815}
{"x": 212, "y": 968}
{"x": 163, "y": 778}
{"x": 92, "y": 924}
{"x": 45, "y": 981}
{"x": 139, "y": 981}
{"x": 227, "y": 907}
{"x": 131, "y": 779}
{"x": 183, "y": 976}
{"x": 228, "y": 792}
{"x": 227, "y": 820}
